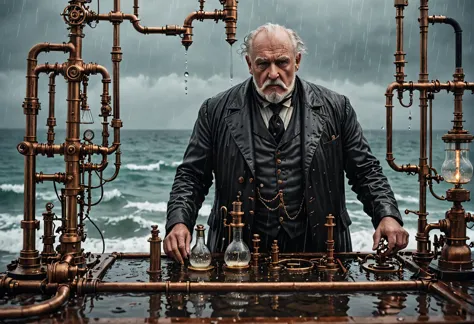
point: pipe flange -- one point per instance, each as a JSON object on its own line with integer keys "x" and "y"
{"x": 74, "y": 15}
{"x": 73, "y": 73}
{"x": 71, "y": 149}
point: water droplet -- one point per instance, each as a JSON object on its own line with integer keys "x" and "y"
{"x": 382, "y": 128}
{"x": 409, "y": 127}
{"x": 186, "y": 74}
{"x": 186, "y": 88}
{"x": 409, "y": 118}
{"x": 185, "y": 80}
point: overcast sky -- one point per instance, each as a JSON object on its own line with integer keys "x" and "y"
{"x": 350, "y": 50}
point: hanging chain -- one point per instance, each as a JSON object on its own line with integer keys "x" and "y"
{"x": 280, "y": 204}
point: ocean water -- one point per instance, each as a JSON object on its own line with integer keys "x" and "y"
{"x": 137, "y": 199}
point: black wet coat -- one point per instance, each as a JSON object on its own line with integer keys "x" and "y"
{"x": 221, "y": 145}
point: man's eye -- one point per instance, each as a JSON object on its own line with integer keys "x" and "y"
{"x": 263, "y": 65}
{"x": 283, "y": 63}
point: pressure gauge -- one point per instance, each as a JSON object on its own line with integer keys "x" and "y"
{"x": 88, "y": 135}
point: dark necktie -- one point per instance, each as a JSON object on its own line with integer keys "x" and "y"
{"x": 275, "y": 125}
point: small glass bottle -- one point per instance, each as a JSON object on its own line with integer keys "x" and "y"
{"x": 237, "y": 253}
{"x": 200, "y": 254}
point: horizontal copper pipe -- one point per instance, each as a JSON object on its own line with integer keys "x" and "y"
{"x": 56, "y": 177}
{"x": 47, "y": 47}
{"x": 46, "y": 68}
{"x": 201, "y": 15}
{"x": 192, "y": 287}
{"x": 47, "y": 306}
{"x": 342, "y": 255}
{"x": 120, "y": 255}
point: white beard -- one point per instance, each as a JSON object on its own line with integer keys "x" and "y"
{"x": 275, "y": 97}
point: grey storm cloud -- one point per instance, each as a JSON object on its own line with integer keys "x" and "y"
{"x": 350, "y": 50}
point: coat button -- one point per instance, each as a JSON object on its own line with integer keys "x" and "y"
{"x": 278, "y": 171}
{"x": 251, "y": 212}
{"x": 278, "y": 152}
{"x": 241, "y": 180}
{"x": 281, "y": 219}
{"x": 250, "y": 180}
{"x": 280, "y": 181}
{"x": 251, "y": 198}
{"x": 278, "y": 161}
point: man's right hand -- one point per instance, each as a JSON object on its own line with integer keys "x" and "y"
{"x": 176, "y": 243}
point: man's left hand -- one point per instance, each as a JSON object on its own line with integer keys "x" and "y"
{"x": 396, "y": 236}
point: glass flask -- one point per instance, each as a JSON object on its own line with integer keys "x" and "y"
{"x": 200, "y": 254}
{"x": 457, "y": 169}
{"x": 237, "y": 253}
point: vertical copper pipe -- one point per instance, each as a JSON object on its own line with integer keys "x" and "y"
{"x": 155, "y": 251}
{"x": 51, "y": 122}
{"x": 135, "y": 8}
{"x": 330, "y": 241}
{"x": 399, "y": 54}
{"x": 70, "y": 240}
{"x": 422, "y": 255}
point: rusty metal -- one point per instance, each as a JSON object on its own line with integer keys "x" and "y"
{"x": 155, "y": 251}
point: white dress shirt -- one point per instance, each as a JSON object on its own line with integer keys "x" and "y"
{"x": 285, "y": 112}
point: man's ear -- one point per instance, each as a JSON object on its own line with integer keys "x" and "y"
{"x": 249, "y": 63}
{"x": 298, "y": 61}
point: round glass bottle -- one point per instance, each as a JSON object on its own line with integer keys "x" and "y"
{"x": 200, "y": 254}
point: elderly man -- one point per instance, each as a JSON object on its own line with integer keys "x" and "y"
{"x": 283, "y": 145}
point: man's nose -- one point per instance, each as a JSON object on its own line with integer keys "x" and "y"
{"x": 273, "y": 73}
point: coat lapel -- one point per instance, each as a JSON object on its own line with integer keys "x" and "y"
{"x": 313, "y": 123}
{"x": 239, "y": 124}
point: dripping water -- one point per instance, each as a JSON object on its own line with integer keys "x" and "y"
{"x": 409, "y": 119}
{"x": 186, "y": 74}
{"x": 231, "y": 67}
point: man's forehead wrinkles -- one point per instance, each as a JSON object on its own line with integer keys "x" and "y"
{"x": 275, "y": 57}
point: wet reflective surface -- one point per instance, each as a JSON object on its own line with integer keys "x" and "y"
{"x": 406, "y": 304}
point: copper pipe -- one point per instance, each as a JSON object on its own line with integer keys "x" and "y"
{"x": 48, "y": 149}
{"x": 29, "y": 260}
{"x": 429, "y": 227}
{"x": 422, "y": 254}
{"x": 444, "y": 291}
{"x": 51, "y": 121}
{"x": 70, "y": 239}
{"x": 57, "y": 177}
{"x": 121, "y": 255}
{"x": 330, "y": 241}
{"x": 457, "y": 31}
{"x": 155, "y": 251}
{"x": 193, "y": 287}
{"x": 48, "y": 235}
{"x": 47, "y": 306}
{"x": 399, "y": 54}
